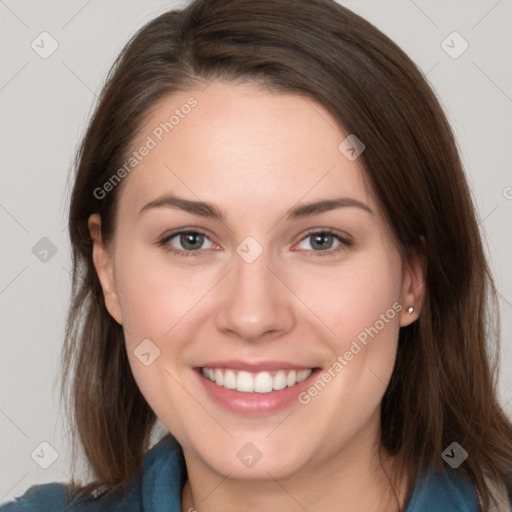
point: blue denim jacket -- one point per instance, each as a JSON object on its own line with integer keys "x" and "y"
{"x": 158, "y": 489}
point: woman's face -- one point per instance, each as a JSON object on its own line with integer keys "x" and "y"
{"x": 289, "y": 273}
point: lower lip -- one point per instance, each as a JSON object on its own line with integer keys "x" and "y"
{"x": 254, "y": 404}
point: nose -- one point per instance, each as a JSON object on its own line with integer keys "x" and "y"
{"x": 256, "y": 304}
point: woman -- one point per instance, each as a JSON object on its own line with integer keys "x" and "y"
{"x": 276, "y": 255}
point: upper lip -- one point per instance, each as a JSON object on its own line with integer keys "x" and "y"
{"x": 259, "y": 366}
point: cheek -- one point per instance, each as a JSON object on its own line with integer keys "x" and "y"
{"x": 357, "y": 298}
{"x": 155, "y": 303}
{"x": 360, "y": 305}
{"x": 155, "y": 296}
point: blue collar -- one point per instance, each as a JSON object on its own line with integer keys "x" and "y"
{"x": 164, "y": 474}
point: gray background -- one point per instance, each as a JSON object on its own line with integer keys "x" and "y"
{"x": 45, "y": 104}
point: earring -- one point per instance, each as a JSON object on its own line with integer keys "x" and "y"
{"x": 411, "y": 309}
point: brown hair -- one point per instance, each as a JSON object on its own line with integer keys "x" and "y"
{"x": 443, "y": 387}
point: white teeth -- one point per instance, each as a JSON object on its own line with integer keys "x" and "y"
{"x": 303, "y": 374}
{"x": 219, "y": 376}
{"x": 291, "y": 379}
{"x": 229, "y": 379}
{"x": 279, "y": 380}
{"x": 245, "y": 382}
{"x": 261, "y": 382}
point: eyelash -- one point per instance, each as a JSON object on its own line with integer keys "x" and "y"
{"x": 345, "y": 243}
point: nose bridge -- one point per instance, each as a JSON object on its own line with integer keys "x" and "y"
{"x": 252, "y": 277}
{"x": 256, "y": 301}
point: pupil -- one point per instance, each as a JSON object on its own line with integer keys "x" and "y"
{"x": 189, "y": 240}
{"x": 323, "y": 240}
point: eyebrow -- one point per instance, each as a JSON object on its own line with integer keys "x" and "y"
{"x": 209, "y": 210}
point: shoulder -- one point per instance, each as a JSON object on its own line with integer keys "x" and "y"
{"x": 162, "y": 473}
{"x": 54, "y": 497}
{"x": 445, "y": 492}
{"x": 48, "y": 497}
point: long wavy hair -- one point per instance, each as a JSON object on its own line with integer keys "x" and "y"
{"x": 443, "y": 387}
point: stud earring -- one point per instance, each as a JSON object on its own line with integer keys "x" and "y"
{"x": 411, "y": 309}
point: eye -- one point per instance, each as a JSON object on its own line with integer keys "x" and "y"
{"x": 190, "y": 243}
{"x": 322, "y": 242}
{"x": 186, "y": 242}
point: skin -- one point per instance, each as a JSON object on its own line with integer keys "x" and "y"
{"x": 255, "y": 154}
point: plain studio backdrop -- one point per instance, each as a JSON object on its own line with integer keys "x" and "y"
{"x": 54, "y": 58}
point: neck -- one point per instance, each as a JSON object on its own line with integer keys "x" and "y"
{"x": 352, "y": 479}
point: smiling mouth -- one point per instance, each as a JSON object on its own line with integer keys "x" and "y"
{"x": 255, "y": 382}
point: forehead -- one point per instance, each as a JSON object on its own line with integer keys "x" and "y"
{"x": 242, "y": 146}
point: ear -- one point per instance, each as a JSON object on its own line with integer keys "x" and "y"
{"x": 413, "y": 287}
{"x": 102, "y": 260}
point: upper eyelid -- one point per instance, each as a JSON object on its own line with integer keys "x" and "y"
{"x": 344, "y": 239}
{"x": 332, "y": 231}
{"x": 182, "y": 231}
